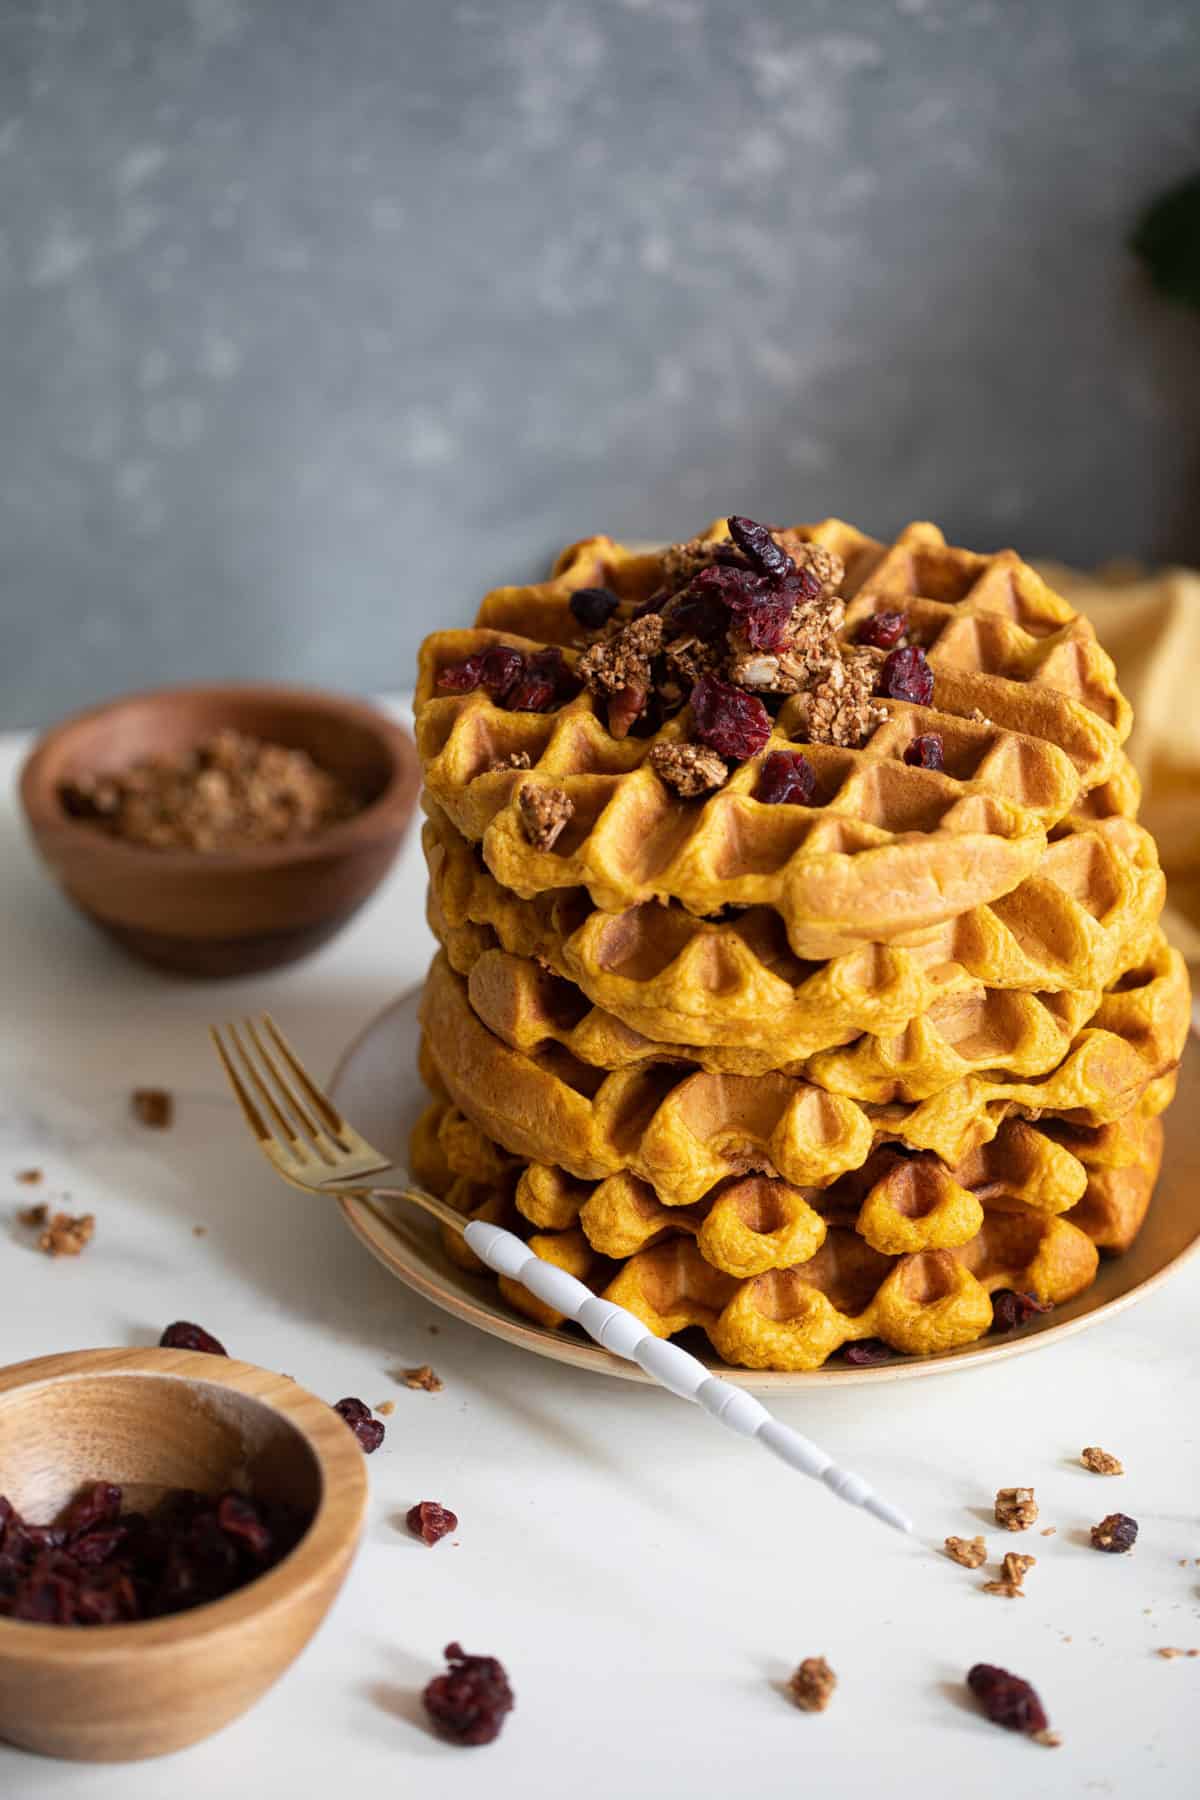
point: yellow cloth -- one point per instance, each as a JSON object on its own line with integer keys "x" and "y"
{"x": 1150, "y": 626}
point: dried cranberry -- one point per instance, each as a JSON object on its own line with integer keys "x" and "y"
{"x": 239, "y": 1518}
{"x": 546, "y": 683}
{"x": 867, "y": 1352}
{"x": 499, "y": 668}
{"x": 926, "y": 751}
{"x": 1007, "y": 1700}
{"x": 728, "y": 720}
{"x": 45, "y": 1598}
{"x": 97, "y": 1504}
{"x": 765, "y": 618}
{"x": 758, "y": 545}
{"x": 460, "y": 677}
{"x": 1115, "y": 1534}
{"x": 695, "y": 614}
{"x": 1010, "y": 1309}
{"x": 184, "y": 1336}
{"x": 430, "y": 1522}
{"x": 470, "y": 1702}
{"x": 95, "y": 1547}
{"x": 883, "y": 630}
{"x": 594, "y": 607}
{"x": 907, "y": 676}
{"x": 787, "y": 778}
{"x": 369, "y": 1432}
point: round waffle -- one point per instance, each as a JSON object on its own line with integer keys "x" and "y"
{"x": 683, "y": 1130}
{"x": 1088, "y": 910}
{"x": 775, "y": 1282}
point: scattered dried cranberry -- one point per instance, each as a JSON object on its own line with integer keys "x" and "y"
{"x": 1010, "y": 1309}
{"x": 761, "y": 605}
{"x": 867, "y": 1352}
{"x": 757, "y": 543}
{"x": 183, "y": 1335}
{"x": 469, "y": 1703}
{"x": 695, "y": 614}
{"x": 594, "y": 607}
{"x": 728, "y": 720}
{"x": 547, "y": 682}
{"x": 460, "y": 677}
{"x": 907, "y": 676}
{"x": 1007, "y": 1700}
{"x": 926, "y": 751}
{"x": 370, "y": 1432}
{"x": 787, "y": 778}
{"x": 883, "y": 630}
{"x": 1115, "y": 1534}
{"x": 430, "y": 1522}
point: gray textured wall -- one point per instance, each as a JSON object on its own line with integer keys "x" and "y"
{"x": 321, "y": 316}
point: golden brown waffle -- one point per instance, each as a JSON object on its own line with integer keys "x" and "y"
{"x": 905, "y": 1249}
{"x": 1088, "y": 911}
{"x": 684, "y": 1131}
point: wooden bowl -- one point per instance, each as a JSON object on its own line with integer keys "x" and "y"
{"x": 231, "y": 912}
{"x": 152, "y": 1420}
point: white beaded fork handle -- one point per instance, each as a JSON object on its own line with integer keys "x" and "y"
{"x": 623, "y": 1334}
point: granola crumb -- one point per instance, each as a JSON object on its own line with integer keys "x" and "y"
{"x": 424, "y": 1378}
{"x": 623, "y": 660}
{"x": 841, "y": 709}
{"x": 1016, "y": 1508}
{"x": 1051, "y": 1739}
{"x": 970, "y": 1552}
{"x": 153, "y": 1107}
{"x": 199, "y": 1230}
{"x": 29, "y": 1177}
{"x": 516, "y": 759}
{"x": 385, "y": 1408}
{"x": 812, "y": 1684}
{"x": 1049, "y": 1530}
{"x": 1168, "y": 1652}
{"x": 691, "y": 769}
{"x": 545, "y": 814}
{"x": 1012, "y": 1581}
{"x": 1100, "y": 1462}
{"x": 67, "y": 1236}
{"x": 33, "y": 1216}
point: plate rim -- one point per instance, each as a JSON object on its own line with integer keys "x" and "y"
{"x": 368, "y": 1222}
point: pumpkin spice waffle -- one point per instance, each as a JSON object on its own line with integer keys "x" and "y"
{"x": 1088, "y": 909}
{"x": 776, "y": 1284}
{"x": 801, "y": 977}
{"x": 683, "y": 1130}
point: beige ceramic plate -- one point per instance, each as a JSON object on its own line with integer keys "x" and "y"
{"x": 377, "y": 1086}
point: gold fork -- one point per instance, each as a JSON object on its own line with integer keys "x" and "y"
{"x": 307, "y": 1140}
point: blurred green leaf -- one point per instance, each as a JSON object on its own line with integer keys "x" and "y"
{"x": 1167, "y": 238}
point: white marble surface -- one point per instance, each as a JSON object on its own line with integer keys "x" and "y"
{"x": 648, "y": 1581}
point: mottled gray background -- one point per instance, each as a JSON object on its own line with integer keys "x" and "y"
{"x": 321, "y": 316}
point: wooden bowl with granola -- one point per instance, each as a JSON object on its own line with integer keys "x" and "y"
{"x": 218, "y": 831}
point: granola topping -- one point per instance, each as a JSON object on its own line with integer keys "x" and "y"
{"x": 545, "y": 814}
{"x": 812, "y": 1684}
{"x": 841, "y": 708}
{"x": 690, "y": 769}
{"x": 1100, "y": 1462}
{"x": 1016, "y": 1508}
{"x": 970, "y": 1552}
{"x": 516, "y": 759}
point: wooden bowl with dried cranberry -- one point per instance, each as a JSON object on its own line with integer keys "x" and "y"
{"x": 173, "y": 1530}
{"x": 219, "y": 831}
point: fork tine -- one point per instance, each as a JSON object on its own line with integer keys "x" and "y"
{"x": 318, "y": 1097}
{"x": 250, "y": 1112}
{"x": 293, "y": 1136}
{"x": 326, "y": 1148}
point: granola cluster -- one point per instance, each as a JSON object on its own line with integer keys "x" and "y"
{"x": 1016, "y": 1508}
{"x": 753, "y": 617}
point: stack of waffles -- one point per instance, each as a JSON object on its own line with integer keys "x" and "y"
{"x": 800, "y": 973}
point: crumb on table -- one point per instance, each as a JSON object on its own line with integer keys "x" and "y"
{"x": 1016, "y": 1508}
{"x": 812, "y": 1684}
{"x": 67, "y": 1236}
{"x": 33, "y": 1216}
{"x": 422, "y": 1377}
{"x": 1100, "y": 1462}
{"x": 29, "y": 1177}
{"x": 1012, "y": 1580}
{"x": 970, "y": 1552}
{"x": 385, "y": 1408}
{"x": 153, "y": 1107}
